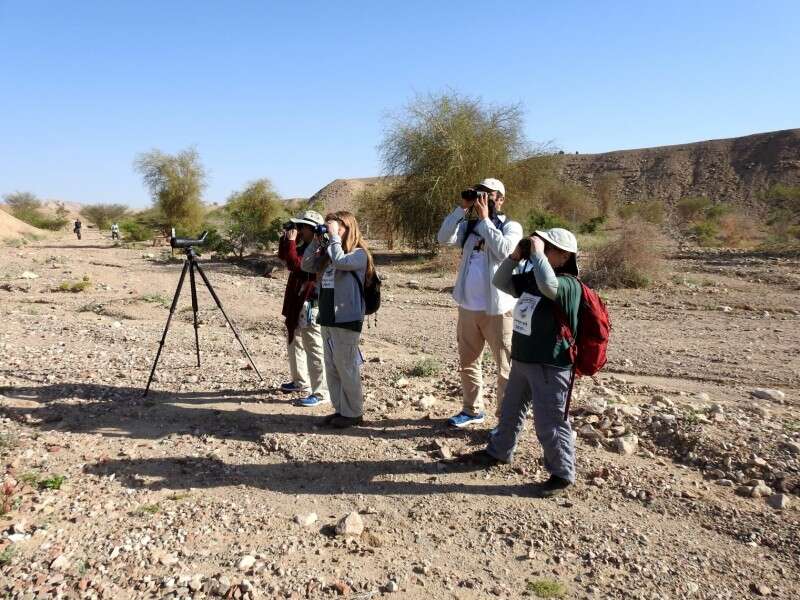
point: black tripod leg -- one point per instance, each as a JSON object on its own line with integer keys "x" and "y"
{"x": 222, "y": 310}
{"x": 194, "y": 310}
{"x": 166, "y": 328}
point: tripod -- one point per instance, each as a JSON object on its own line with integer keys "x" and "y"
{"x": 191, "y": 265}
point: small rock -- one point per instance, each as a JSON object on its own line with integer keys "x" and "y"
{"x": 392, "y": 586}
{"x": 116, "y": 325}
{"x": 402, "y": 383}
{"x": 351, "y": 525}
{"x": 426, "y": 402}
{"x": 61, "y": 563}
{"x": 306, "y": 520}
{"x": 590, "y": 433}
{"x": 246, "y": 562}
{"x": 595, "y": 406}
{"x": 792, "y": 447}
{"x": 778, "y": 501}
{"x": 29, "y": 275}
{"x": 768, "y": 394}
{"x": 761, "y": 490}
{"x": 760, "y": 589}
{"x": 626, "y": 445}
{"x": 745, "y": 490}
{"x": 725, "y": 309}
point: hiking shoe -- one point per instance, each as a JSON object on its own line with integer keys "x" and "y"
{"x": 291, "y": 387}
{"x": 327, "y": 420}
{"x": 311, "y": 401}
{"x": 554, "y": 486}
{"x": 481, "y": 458}
{"x": 342, "y": 422}
{"x": 463, "y": 419}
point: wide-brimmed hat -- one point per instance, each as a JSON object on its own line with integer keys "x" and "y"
{"x": 563, "y": 240}
{"x": 308, "y": 217}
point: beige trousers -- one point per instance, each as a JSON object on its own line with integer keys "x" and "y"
{"x": 306, "y": 357}
{"x": 475, "y": 330}
{"x": 343, "y": 370}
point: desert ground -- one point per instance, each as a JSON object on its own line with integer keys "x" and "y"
{"x": 215, "y": 485}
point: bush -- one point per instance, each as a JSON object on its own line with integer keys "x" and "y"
{"x": 651, "y": 211}
{"x": 569, "y": 201}
{"x": 592, "y": 225}
{"x": 783, "y": 204}
{"x": 74, "y": 287}
{"x": 215, "y": 243}
{"x": 692, "y": 208}
{"x": 541, "y": 219}
{"x": 427, "y": 367}
{"x": 632, "y": 259}
{"x": 28, "y": 208}
{"x": 255, "y": 216}
{"x": 134, "y": 231}
{"x": 737, "y": 230}
{"x": 705, "y": 232}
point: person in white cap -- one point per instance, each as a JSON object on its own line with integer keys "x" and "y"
{"x": 486, "y": 237}
{"x": 304, "y": 336}
{"x": 541, "y": 365}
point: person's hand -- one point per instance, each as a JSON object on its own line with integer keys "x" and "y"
{"x": 333, "y": 227}
{"x": 538, "y": 244}
{"x": 291, "y": 234}
{"x": 516, "y": 255}
{"x": 466, "y": 204}
{"x": 482, "y": 206}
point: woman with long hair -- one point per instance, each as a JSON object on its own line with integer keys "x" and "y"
{"x": 343, "y": 259}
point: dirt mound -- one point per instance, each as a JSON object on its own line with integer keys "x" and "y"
{"x": 735, "y": 170}
{"x": 11, "y": 228}
{"x": 339, "y": 194}
{"x": 73, "y": 208}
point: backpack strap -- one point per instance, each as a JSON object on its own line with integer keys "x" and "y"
{"x": 565, "y": 331}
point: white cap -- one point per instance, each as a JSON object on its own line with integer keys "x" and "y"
{"x": 494, "y": 185}
{"x": 560, "y": 238}
{"x": 309, "y": 217}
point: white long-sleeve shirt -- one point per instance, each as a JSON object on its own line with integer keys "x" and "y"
{"x": 498, "y": 244}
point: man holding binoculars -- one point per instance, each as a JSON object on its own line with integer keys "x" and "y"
{"x": 486, "y": 238}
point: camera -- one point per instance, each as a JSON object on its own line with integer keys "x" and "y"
{"x": 321, "y": 231}
{"x": 288, "y": 226}
{"x": 177, "y": 242}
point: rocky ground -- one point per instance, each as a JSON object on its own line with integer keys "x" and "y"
{"x": 215, "y": 485}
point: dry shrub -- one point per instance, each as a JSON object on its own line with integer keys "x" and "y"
{"x": 737, "y": 230}
{"x": 632, "y": 259}
{"x": 445, "y": 260}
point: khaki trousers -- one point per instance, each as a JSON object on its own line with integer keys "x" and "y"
{"x": 475, "y": 330}
{"x": 306, "y": 357}
{"x": 343, "y": 370}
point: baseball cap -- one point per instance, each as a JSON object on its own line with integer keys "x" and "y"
{"x": 309, "y": 217}
{"x": 494, "y": 185}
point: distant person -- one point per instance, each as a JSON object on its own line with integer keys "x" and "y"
{"x": 77, "y": 228}
{"x": 300, "y": 309}
{"x": 114, "y": 231}
{"x": 541, "y": 366}
{"x": 486, "y": 237}
{"x": 341, "y": 257}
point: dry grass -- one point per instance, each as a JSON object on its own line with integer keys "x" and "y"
{"x": 737, "y": 230}
{"x": 632, "y": 259}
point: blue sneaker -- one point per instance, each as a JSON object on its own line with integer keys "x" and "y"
{"x": 292, "y": 386}
{"x": 462, "y": 419}
{"x": 312, "y": 401}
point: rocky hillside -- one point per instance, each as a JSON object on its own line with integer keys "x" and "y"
{"x": 340, "y": 193}
{"x": 732, "y": 170}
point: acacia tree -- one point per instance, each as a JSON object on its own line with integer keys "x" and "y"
{"x": 176, "y": 183}
{"x": 439, "y": 145}
{"x": 102, "y": 215}
{"x": 252, "y": 216}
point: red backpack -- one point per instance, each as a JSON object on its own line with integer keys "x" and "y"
{"x": 588, "y": 351}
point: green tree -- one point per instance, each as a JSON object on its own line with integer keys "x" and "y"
{"x": 252, "y": 213}
{"x": 375, "y": 208}
{"x": 103, "y": 215}
{"x": 176, "y": 183}
{"x": 441, "y": 144}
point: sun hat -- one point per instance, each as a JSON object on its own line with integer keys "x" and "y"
{"x": 309, "y": 217}
{"x": 563, "y": 240}
{"x": 494, "y": 185}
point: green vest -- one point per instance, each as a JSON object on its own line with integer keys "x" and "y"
{"x": 543, "y": 344}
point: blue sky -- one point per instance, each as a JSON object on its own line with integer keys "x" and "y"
{"x": 299, "y": 91}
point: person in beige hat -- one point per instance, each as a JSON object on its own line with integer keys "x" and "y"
{"x": 304, "y": 336}
{"x": 486, "y": 237}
